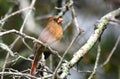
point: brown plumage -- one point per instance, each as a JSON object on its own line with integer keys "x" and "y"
{"x": 52, "y": 33}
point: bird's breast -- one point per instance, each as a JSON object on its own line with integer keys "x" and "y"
{"x": 53, "y": 32}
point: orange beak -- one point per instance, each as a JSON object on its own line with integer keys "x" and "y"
{"x": 59, "y": 20}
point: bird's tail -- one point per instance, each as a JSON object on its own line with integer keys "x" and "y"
{"x": 34, "y": 67}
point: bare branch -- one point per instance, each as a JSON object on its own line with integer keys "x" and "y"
{"x": 12, "y": 14}
{"x": 111, "y": 53}
{"x": 90, "y": 43}
{"x": 32, "y": 38}
{"x": 96, "y": 62}
{"x": 115, "y": 20}
{"x": 18, "y": 57}
{"x": 64, "y": 8}
{"x": 87, "y": 71}
{"x": 26, "y": 17}
{"x": 21, "y": 30}
{"x": 5, "y": 47}
{"x": 27, "y": 45}
{"x": 79, "y": 30}
{"x": 64, "y": 55}
{"x": 18, "y": 74}
{"x": 69, "y": 4}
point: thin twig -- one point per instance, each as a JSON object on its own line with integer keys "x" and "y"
{"x": 64, "y": 55}
{"x": 18, "y": 57}
{"x": 21, "y": 30}
{"x": 7, "y": 14}
{"x": 31, "y": 38}
{"x": 86, "y": 71}
{"x": 51, "y": 62}
{"x": 75, "y": 18}
{"x": 17, "y": 74}
{"x": 115, "y": 20}
{"x": 26, "y": 17}
{"x": 67, "y": 25}
{"x": 4, "y": 65}
{"x": 5, "y": 47}
{"x": 25, "y": 20}
{"x": 89, "y": 44}
{"x": 12, "y": 14}
{"x": 96, "y": 62}
{"x": 65, "y": 8}
{"x": 54, "y": 52}
{"x": 69, "y": 4}
{"x": 23, "y": 40}
{"x": 111, "y": 53}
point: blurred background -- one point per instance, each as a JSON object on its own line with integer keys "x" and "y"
{"x": 88, "y": 13}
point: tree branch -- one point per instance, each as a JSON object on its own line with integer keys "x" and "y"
{"x": 90, "y": 43}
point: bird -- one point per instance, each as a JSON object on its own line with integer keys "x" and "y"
{"x": 52, "y": 33}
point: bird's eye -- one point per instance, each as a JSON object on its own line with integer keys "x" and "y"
{"x": 58, "y": 20}
{"x": 55, "y": 19}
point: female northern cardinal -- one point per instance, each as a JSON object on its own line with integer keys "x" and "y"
{"x": 52, "y": 33}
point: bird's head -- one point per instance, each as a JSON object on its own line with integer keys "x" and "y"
{"x": 55, "y": 19}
